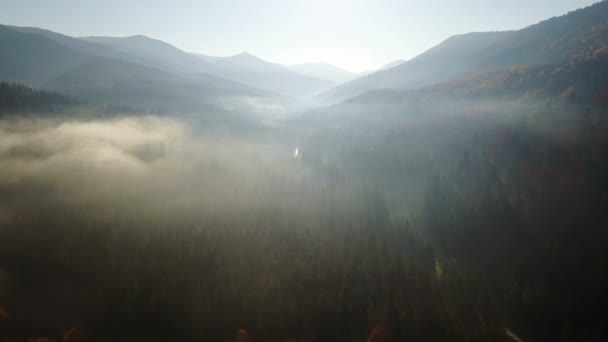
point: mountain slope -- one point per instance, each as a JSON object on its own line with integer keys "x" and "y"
{"x": 243, "y": 68}
{"x": 547, "y": 42}
{"x": 582, "y": 79}
{"x": 449, "y": 59}
{"x": 253, "y": 71}
{"x": 99, "y": 73}
{"x": 160, "y": 54}
{"x": 32, "y": 58}
{"x": 250, "y": 62}
{"x": 324, "y": 71}
{"x": 393, "y": 64}
{"x": 90, "y": 48}
{"x": 19, "y": 98}
{"x": 117, "y": 82}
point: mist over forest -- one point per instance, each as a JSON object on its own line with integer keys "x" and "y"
{"x": 148, "y": 193}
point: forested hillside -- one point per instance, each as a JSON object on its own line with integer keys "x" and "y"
{"x": 149, "y": 194}
{"x": 582, "y": 79}
{"x": 550, "y": 42}
{"x": 19, "y": 98}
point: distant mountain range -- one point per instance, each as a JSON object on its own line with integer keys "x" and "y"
{"x": 392, "y": 64}
{"x": 255, "y": 72}
{"x": 550, "y": 58}
{"x": 242, "y": 68}
{"x": 550, "y": 42}
{"x": 335, "y": 74}
{"x": 144, "y": 72}
{"x": 325, "y": 71}
{"x": 101, "y": 73}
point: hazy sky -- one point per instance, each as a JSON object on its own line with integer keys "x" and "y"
{"x": 355, "y": 34}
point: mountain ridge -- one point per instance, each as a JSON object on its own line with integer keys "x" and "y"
{"x": 548, "y": 41}
{"x": 325, "y": 71}
{"x": 243, "y": 68}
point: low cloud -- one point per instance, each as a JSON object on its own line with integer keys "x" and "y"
{"x": 145, "y": 166}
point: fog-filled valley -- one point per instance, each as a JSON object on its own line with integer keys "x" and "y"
{"x": 147, "y": 193}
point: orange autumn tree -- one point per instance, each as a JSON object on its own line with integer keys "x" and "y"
{"x": 379, "y": 334}
{"x": 242, "y": 336}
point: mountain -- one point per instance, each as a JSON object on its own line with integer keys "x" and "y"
{"x": 324, "y": 71}
{"x": 547, "y": 42}
{"x": 87, "y": 47}
{"x": 205, "y": 58}
{"x": 384, "y": 67}
{"x": 242, "y": 68}
{"x": 158, "y": 53}
{"x": 99, "y": 73}
{"x": 393, "y": 64}
{"x": 34, "y": 58}
{"x": 581, "y": 79}
{"x": 254, "y": 71}
{"x": 248, "y": 61}
{"x": 111, "y": 81}
{"x": 449, "y": 59}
